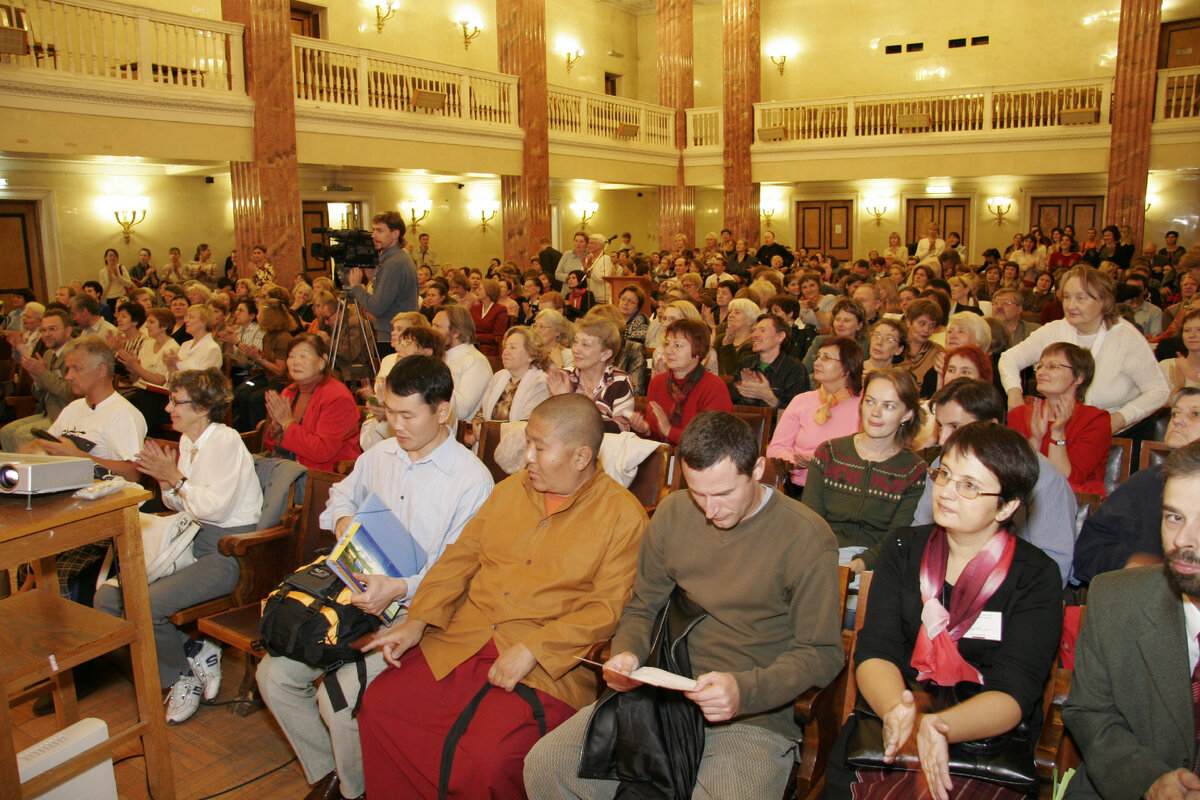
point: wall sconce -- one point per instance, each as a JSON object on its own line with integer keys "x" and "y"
{"x": 568, "y": 47}
{"x": 779, "y": 51}
{"x": 586, "y": 212}
{"x": 418, "y": 212}
{"x": 129, "y": 211}
{"x": 767, "y": 212}
{"x": 487, "y": 212}
{"x": 385, "y": 12}
{"x": 877, "y": 211}
{"x": 998, "y": 207}
{"x": 470, "y": 33}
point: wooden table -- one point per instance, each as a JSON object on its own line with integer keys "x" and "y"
{"x": 42, "y": 635}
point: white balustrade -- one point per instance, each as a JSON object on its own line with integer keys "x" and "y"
{"x": 601, "y": 116}
{"x": 118, "y": 42}
{"x": 1178, "y": 95}
{"x": 330, "y": 74}
{"x": 706, "y": 127}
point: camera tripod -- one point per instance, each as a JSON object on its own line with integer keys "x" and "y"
{"x": 345, "y": 299}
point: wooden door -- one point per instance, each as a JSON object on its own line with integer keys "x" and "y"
{"x": 1081, "y": 212}
{"x": 1179, "y": 44}
{"x": 826, "y": 225}
{"x": 21, "y": 263}
{"x": 952, "y": 214}
{"x": 313, "y": 215}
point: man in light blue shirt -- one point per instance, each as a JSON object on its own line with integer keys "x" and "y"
{"x": 434, "y": 485}
{"x": 1049, "y": 521}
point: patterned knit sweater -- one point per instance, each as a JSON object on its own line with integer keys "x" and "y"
{"x": 863, "y": 500}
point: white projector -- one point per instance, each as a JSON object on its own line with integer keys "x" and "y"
{"x": 97, "y": 783}
{"x": 25, "y": 473}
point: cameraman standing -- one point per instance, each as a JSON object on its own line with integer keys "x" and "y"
{"x": 395, "y": 282}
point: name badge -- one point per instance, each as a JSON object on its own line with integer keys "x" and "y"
{"x": 988, "y": 626}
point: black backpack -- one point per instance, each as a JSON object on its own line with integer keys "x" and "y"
{"x": 309, "y": 618}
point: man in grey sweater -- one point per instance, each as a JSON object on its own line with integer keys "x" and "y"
{"x": 764, "y": 568}
{"x": 394, "y": 288}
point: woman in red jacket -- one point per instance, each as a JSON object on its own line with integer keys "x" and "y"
{"x": 490, "y": 318}
{"x": 315, "y": 419}
{"x": 1075, "y": 437}
{"x": 685, "y": 389}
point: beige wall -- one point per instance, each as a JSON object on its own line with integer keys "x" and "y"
{"x": 183, "y": 211}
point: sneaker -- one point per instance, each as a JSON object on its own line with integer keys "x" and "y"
{"x": 183, "y": 699}
{"x": 206, "y": 666}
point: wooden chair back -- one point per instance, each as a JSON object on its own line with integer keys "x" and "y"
{"x": 649, "y": 484}
{"x": 489, "y": 439}
{"x": 759, "y": 420}
{"x": 310, "y": 537}
{"x": 254, "y": 439}
{"x": 1120, "y": 455}
{"x": 1152, "y": 453}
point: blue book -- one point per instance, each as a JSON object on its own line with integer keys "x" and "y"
{"x": 376, "y": 543}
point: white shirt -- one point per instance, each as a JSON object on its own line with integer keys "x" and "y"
{"x": 200, "y": 353}
{"x": 1128, "y": 380}
{"x": 222, "y": 488}
{"x": 531, "y": 391}
{"x": 117, "y": 428}
{"x": 1191, "y": 621}
{"x": 924, "y": 250}
{"x": 472, "y": 373}
{"x": 153, "y": 361}
{"x": 595, "y": 280}
{"x": 115, "y": 287}
{"x": 101, "y": 327}
{"x": 434, "y": 497}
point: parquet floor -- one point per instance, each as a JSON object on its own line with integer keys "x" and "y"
{"x": 212, "y": 752}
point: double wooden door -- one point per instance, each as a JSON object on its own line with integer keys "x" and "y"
{"x": 952, "y": 214}
{"x": 1081, "y": 212}
{"x": 827, "y": 226}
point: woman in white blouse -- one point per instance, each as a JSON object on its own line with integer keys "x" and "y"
{"x": 201, "y": 351}
{"x": 1128, "y": 383}
{"x": 518, "y": 388}
{"x": 211, "y": 478}
{"x": 149, "y": 368}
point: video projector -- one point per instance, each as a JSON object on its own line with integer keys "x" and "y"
{"x": 26, "y": 473}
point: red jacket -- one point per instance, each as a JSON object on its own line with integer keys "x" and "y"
{"x": 710, "y": 394}
{"x": 489, "y": 328}
{"x": 328, "y": 433}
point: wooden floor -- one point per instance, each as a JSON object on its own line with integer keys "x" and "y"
{"x": 212, "y": 752}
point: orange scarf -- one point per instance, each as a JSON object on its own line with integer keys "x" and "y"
{"x": 827, "y": 401}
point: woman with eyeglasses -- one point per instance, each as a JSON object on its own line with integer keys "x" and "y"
{"x": 1075, "y": 437}
{"x": 888, "y": 340}
{"x": 869, "y": 483}
{"x": 829, "y": 411}
{"x": 981, "y": 671}
{"x": 1127, "y": 383}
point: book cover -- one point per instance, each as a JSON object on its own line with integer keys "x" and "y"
{"x": 376, "y": 543}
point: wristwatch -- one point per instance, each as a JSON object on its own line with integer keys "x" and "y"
{"x": 1059, "y": 442}
{"x": 179, "y": 484}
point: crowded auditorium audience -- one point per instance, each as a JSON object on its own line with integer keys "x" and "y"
{"x": 984, "y": 435}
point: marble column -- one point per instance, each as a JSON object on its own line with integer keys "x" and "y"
{"x": 742, "y": 45}
{"x": 676, "y": 89}
{"x": 1132, "y": 115}
{"x": 266, "y": 191}
{"x": 525, "y": 198}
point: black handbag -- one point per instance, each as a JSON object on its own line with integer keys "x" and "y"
{"x": 1006, "y": 760}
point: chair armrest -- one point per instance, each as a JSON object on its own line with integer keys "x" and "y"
{"x": 818, "y": 713}
{"x": 264, "y": 559}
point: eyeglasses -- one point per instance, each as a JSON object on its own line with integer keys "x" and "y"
{"x": 883, "y": 337}
{"x": 823, "y": 357}
{"x": 178, "y": 403}
{"x": 1041, "y": 365}
{"x": 1005, "y": 303}
{"x": 965, "y": 489}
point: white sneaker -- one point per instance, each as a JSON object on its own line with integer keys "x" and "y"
{"x": 183, "y": 699}
{"x": 206, "y": 666}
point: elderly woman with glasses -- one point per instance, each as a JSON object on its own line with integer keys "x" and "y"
{"x": 1075, "y": 437}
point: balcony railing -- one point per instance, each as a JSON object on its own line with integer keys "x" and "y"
{"x": 333, "y": 75}
{"x": 1178, "y": 94}
{"x": 706, "y": 127}
{"x": 112, "y": 42}
{"x": 599, "y": 116}
{"x": 987, "y": 109}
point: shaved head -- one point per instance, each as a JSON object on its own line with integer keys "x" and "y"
{"x": 574, "y": 420}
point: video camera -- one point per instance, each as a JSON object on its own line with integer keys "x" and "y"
{"x": 346, "y": 249}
